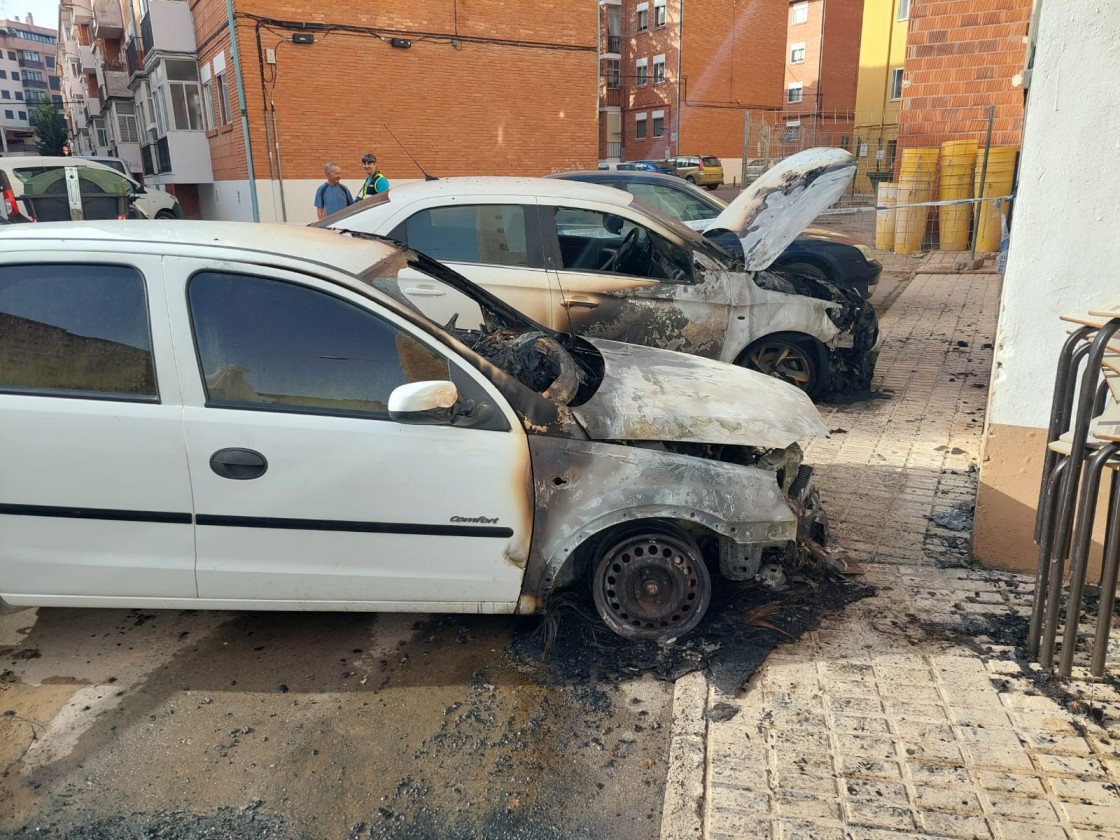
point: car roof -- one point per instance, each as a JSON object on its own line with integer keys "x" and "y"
{"x": 17, "y": 161}
{"x": 314, "y": 245}
{"x": 508, "y": 185}
{"x": 636, "y": 175}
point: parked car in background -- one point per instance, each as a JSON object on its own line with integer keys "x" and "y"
{"x": 259, "y": 416}
{"x": 816, "y": 252}
{"x": 595, "y": 261}
{"x": 756, "y": 167}
{"x": 702, "y": 170}
{"x": 16, "y": 173}
{"x": 647, "y": 166}
{"x": 112, "y": 162}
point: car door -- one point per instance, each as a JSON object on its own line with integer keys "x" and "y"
{"x": 306, "y": 492}
{"x": 95, "y": 499}
{"x": 493, "y": 241}
{"x": 656, "y": 294}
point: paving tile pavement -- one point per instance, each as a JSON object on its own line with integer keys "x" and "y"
{"x": 907, "y": 715}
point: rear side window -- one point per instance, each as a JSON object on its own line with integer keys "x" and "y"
{"x": 75, "y": 330}
{"x": 479, "y": 233}
{"x": 269, "y": 344}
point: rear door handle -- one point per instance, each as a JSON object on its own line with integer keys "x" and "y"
{"x": 578, "y": 301}
{"x": 238, "y": 464}
{"x": 425, "y": 291}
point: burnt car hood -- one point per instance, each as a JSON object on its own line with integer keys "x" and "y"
{"x": 659, "y": 395}
{"x": 770, "y": 213}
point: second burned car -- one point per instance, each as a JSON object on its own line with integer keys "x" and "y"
{"x": 598, "y": 262}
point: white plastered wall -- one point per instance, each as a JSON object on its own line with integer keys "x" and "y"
{"x": 1064, "y": 254}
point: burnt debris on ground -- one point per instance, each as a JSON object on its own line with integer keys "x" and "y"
{"x": 743, "y": 624}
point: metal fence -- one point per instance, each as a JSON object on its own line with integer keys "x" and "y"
{"x": 934, "y": 184}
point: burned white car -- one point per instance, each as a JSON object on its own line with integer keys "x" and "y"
{"x": 596, "y": 261}
{"x": 227, "y": 416}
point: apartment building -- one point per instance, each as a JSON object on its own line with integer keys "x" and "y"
{"x": 822, "y": 69}
{"x": 503, "y": 87}
{"x": 879, "y": 88}
{"x": 690, "y": 77}
{"x": 28, "y": 74}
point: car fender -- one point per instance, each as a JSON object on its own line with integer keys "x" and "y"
{"x": 760, "y": 312}
{"x": 582, "y": 488}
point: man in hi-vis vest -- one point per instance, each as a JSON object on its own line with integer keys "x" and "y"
{"x": 375, "y": 182}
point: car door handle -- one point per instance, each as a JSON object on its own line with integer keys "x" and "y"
{"x": 425, "y": 291}
{"x": 238, "y": 464}
{"x": 578, "y": 301}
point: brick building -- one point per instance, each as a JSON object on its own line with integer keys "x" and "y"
{"x": 686, "y": 77}
{"x": 963, "y": 56}
{"x": 822, "y": 68}
{"x": 458, "y": 88}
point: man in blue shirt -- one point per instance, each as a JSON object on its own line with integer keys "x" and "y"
{"x": 333, "y": 195}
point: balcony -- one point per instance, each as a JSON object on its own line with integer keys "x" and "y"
{"x": 30, "y": 64}
{"x": 92, "y": 108}
{"x": 614, "y": 44}
{"x": 134, "y": 57}
{"x": 87, "y": 61}
{"x": 81, "y": 11}
{"x": 107, "y": 22}
{"x": 181, "y": 157}
{"x": 112, "y": 81}
{"x": 168, "y": 26}
{"x": 610, "y": 94}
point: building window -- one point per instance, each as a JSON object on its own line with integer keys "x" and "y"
{"x": 33, "y": 75}
{"x": 50, "y": 63}
{"x": 642, "y": 72}
{"x": 223, "y": 100}
{"x": 15, "y": 75}
{"x": 614, "y": 73}
{"x": 184, "y": 94}
{"x": 28, "y": 55}
{"x": 658, "y": 69}
{"x": 207, "y": 106}
{"x": 102, "y": 134}
{"x": 19, "y": 94}
{"x": 896, "y": 84}
{"x": 799, "y": 12}
{"x": 23, "y": 115}
{"x": 3, "y": 74}
{"x": 659, "y": 13}
{"x": 7, "y": 94}
{"x": 797, "y": 53}
{"x": 643, "y": 17}
{"x": 793, "y": 94}
{"x": 8, "y": 115}
{"x": 55, "y": 83}
{"x": 639, "y": 126}
{"x": 11, "y": 55}
{"x": 903, "y": 9}
{"x": 658, "y": 123}
{"x": 792, "y": 134}
{"x": 126, "y": 123}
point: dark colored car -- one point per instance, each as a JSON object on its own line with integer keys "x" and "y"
{"x": 661, "y": 166}
{"x": 818, "y": 253}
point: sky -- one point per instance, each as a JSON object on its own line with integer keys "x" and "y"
{"x": 45, "y": 12}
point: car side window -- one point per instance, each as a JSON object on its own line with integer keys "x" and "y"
{"x": 591, "y": 240}
{"x": 76, "y": 330}
{"x": 676, "y": 204}
{"x": 269, "y": 344}
{"x": 473, "y": 233}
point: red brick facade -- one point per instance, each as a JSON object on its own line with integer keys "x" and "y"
{"x": 730, "y": 60}
{"x": 963, "y": 56}
{"x": 485, "y": 87}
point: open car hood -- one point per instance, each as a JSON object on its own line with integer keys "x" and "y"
{"x": 770, "y": 213}
{"x": 659, "y": 395}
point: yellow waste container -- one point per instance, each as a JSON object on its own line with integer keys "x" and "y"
{"x": 885, "y": 219}
{"x": 998, "y": 181}
{"x": 954, "y": 222}
{"x": 915, "y": 185}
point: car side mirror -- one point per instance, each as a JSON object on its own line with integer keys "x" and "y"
{"x": 139, "y": 189}
{"x": 424, "y": 403}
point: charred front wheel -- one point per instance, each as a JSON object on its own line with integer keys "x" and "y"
{"x": 793, "y": 360}
{"x": 651, "y": 583}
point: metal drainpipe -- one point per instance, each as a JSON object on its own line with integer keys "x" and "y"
{"x": 680, "y": 50}
{"x": 244, "y": 116}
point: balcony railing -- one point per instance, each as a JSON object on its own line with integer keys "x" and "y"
{"x": 610, "y": 96}
{"x": 134, "y": 57}
{"x": 32, "y": 63}
{"x": 614, "y": 43}
{"x": 35, "y": 83}
{"x": 146, "y": 40}
{"x": 163, "y": 155}
{"x": 149, "y": 163}
{"x": 614, "y": 149}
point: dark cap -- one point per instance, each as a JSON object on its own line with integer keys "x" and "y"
{"x": 369, "y": 157}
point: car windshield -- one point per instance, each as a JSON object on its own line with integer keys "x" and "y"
{"x": 463, "y": 312}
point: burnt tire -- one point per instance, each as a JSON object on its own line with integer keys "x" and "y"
{"x": 792, "y": 359}
{"x": 651, "y": 583}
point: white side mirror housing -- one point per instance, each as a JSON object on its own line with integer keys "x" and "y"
{"x": 424, "y": 403}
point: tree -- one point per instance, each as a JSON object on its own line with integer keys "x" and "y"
{"x": 50, "y": 128}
